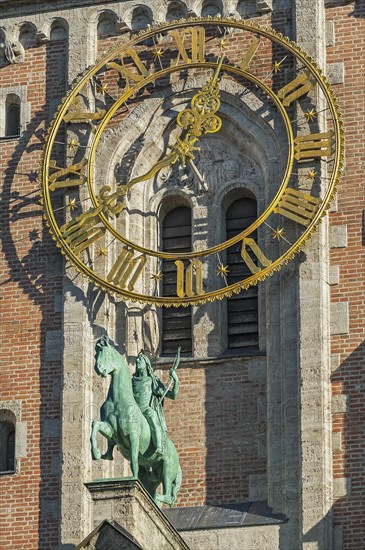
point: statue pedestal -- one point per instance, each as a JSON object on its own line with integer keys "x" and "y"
{"x": 127, "y": 503}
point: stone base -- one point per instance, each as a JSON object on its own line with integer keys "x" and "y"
{"x": 126, "y": 502}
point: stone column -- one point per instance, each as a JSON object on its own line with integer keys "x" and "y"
{"x": 314, "y": 344}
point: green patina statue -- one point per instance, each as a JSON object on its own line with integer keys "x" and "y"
{"x": 132, "y": 419}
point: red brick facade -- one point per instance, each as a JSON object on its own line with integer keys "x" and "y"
{"x": 349, "y": 377}
{"x": 29, "y": 285}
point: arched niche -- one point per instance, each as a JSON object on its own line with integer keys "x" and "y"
{"x": 140, "y": 18}
{"x": 107, "y": 24}
{"x": 247, "y": 8}
{"x": 212, "y": 8}
{"x": 28, "y": 35}
{"x": 176, "y": 10}
{"x": 59, "y": 29}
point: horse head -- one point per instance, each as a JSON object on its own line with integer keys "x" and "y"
{"x": 107, "y": 358}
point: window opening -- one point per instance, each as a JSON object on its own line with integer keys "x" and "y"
{"x": 12, "y": 118}
{"x": 242, "y": 309}
{"x": 176, "y": 322}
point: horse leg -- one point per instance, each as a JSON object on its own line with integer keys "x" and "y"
{"x": 105, "y": 429}
{"x": 168, "y": 477}
{"x": 134, "y": 451}
{"x": 108, "y": 455}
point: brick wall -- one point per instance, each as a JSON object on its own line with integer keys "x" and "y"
{"x": 348, "y": 349}
{"x": 29, "y": 284}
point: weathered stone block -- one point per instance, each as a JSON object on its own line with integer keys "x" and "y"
{"x": 336, "y": 441}
{"x": 335, "y": 361}
{"x": 340, "y": 403}
{"x": 338, "y": 236}
{"x": 336, "y": 72}
{"x": 339, "y": 318}
{"x": 341, "y": 487}
{"x": 334, "y": 275}
{"x": 330, "y": 33}
{"x": 257, "y": 487}
{"x": 21, "y": 440}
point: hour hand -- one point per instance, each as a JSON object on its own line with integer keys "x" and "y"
{"x": 182, "y": 151}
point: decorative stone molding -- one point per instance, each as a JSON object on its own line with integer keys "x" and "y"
{"x": 126, "y": 502}
{"x": 25, "y": 107}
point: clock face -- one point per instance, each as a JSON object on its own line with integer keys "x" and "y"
{"x": 146, "y": 124}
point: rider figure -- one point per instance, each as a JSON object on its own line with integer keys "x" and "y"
{"x": 148, "y": 391}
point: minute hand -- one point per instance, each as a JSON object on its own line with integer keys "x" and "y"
{"x": 196, "y": 121}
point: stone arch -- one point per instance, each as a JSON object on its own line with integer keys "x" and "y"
{"x": 247, "y": 8}
{"x": 107, "y": 24}
{"x": 28, "y": 35}
{"x": 59, "y": 29}
{"x": 176, "y": 10}
{"x": 213, "y": 8}
{"x": 141, "y": 17}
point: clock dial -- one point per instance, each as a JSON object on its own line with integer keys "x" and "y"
{"x": 146, "y": 122}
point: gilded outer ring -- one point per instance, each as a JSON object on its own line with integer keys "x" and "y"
{"x": 266, "y": 32}
{"x": 253, "y": 226}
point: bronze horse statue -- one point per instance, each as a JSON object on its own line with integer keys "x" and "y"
{"x": 125, "y": 426}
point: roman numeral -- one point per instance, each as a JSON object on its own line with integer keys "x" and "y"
{"x": 250, "y": 243}
{"x": 67, "y": 177}
{"x": 247, "y": 58}
{"x": 141, "y": 70}
{"x": 126, "y": 269}
{"x": 296, "y": 88}
{"x": 185, "y": 279}
{"x": 298, "y": 206}
{"x": 78, "y": 116}
{"x": 197, "y": 54}
{"x": 81, "y": 232}
{"x": 314, "y": 145}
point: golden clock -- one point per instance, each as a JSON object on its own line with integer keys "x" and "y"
{"x": 138, "y": 119}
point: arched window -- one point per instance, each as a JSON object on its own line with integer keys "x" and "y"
{"x": 12, "y": 116}
{"x": 242, "y": 309}
{"x": 176, "y": 322}
{"x": 7, "y": 441}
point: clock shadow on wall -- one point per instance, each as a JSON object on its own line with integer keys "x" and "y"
{"x": 38, "y": 275}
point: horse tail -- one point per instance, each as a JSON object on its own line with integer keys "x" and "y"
{"x": 176, "y": 486}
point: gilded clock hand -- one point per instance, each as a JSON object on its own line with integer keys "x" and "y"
{"x": 201, "y": 179}
{"x": 196, "y": 121}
